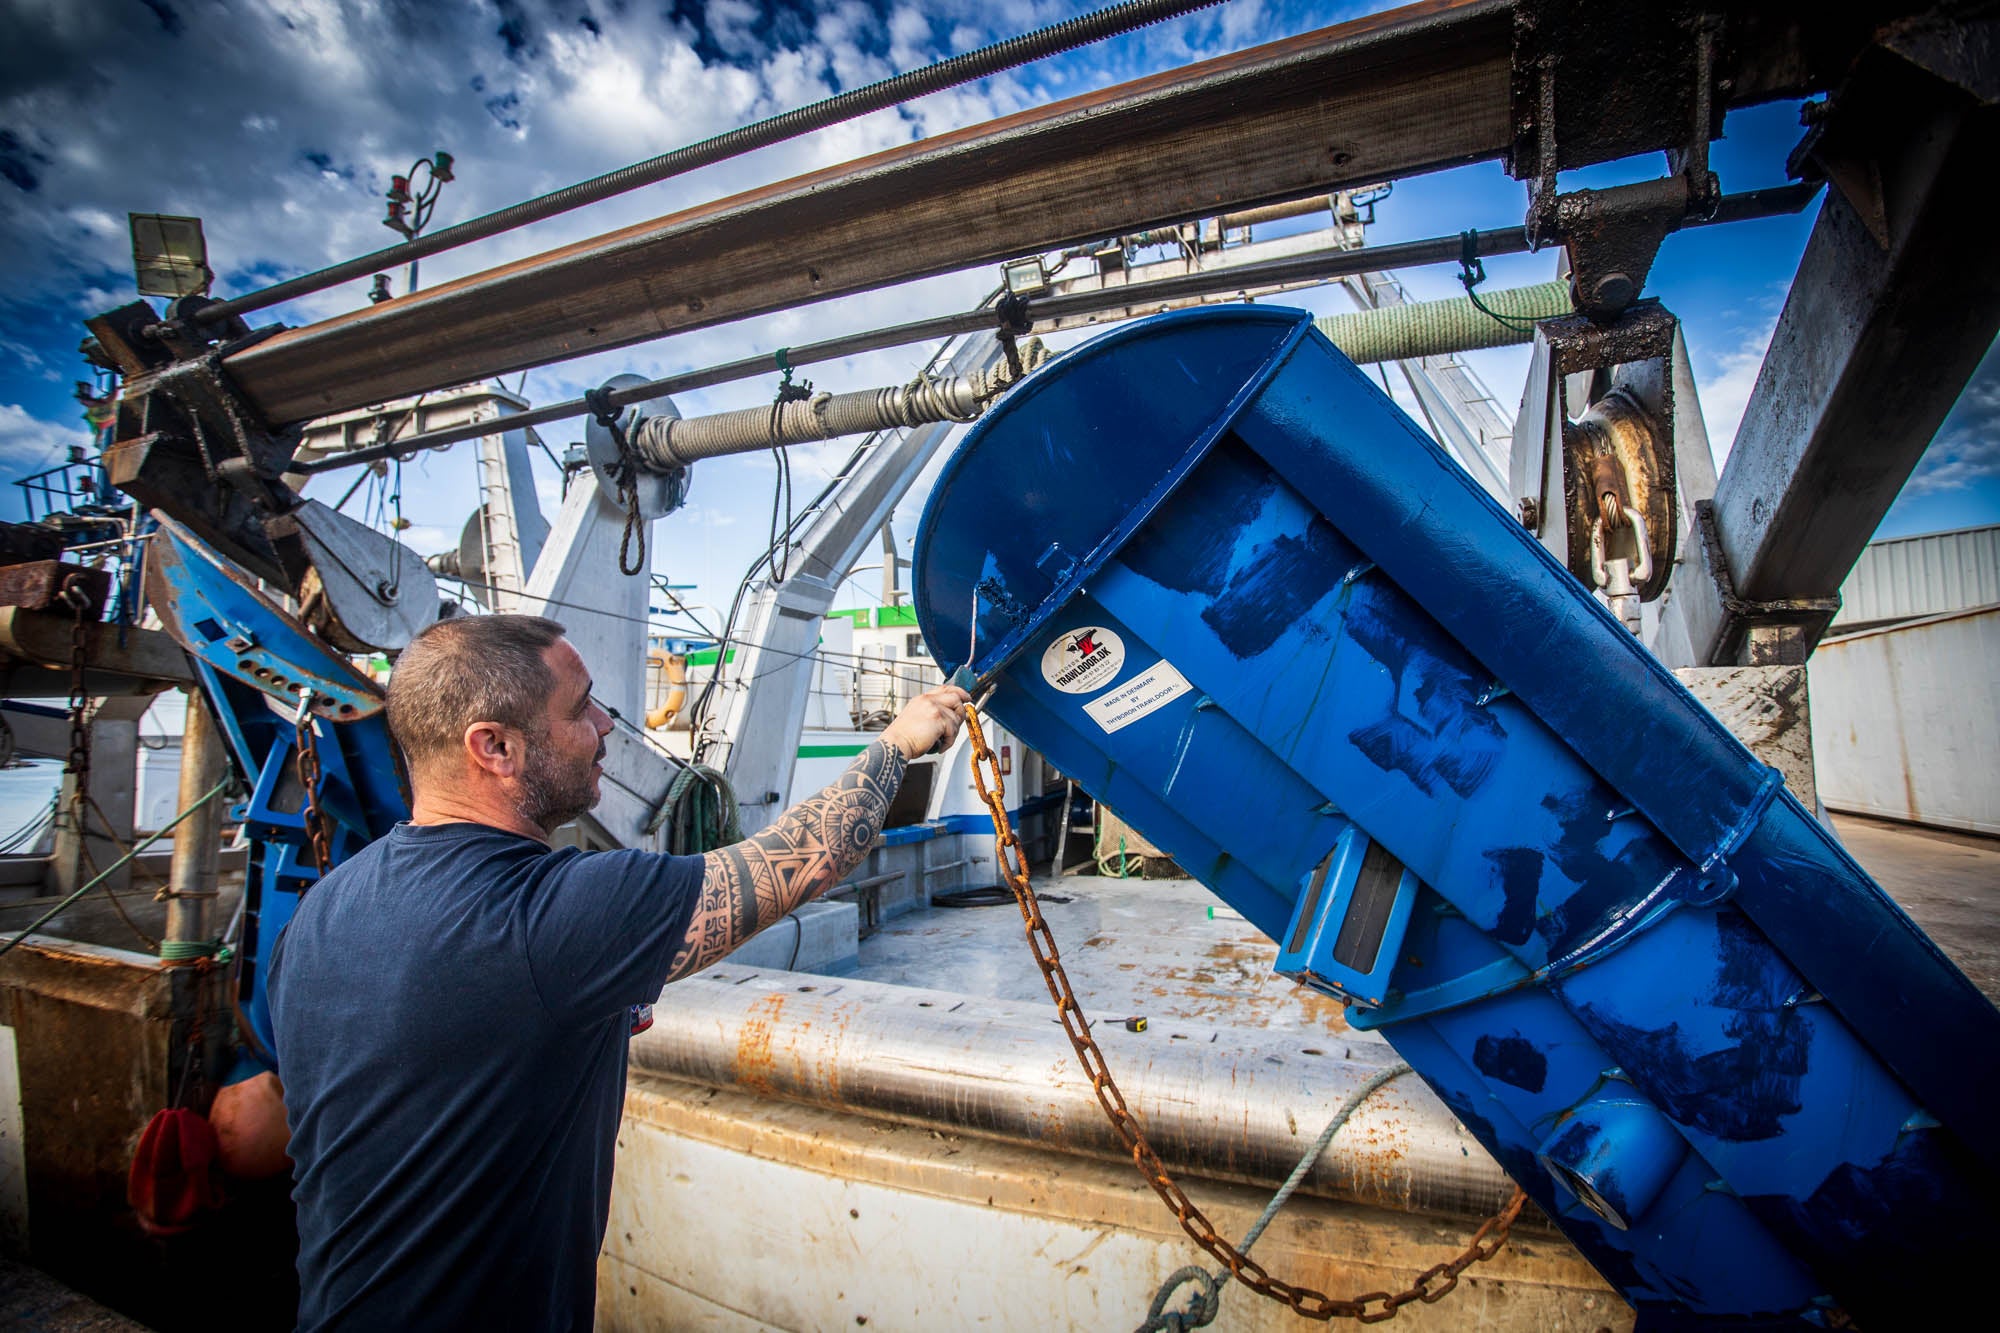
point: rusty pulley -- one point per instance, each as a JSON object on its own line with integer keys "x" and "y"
{"x": 1369, "y": 1308}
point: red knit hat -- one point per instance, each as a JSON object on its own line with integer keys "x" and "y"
{"x": 172, "y": 1180}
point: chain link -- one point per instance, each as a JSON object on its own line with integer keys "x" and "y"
{"x": 77, "y": 598}
{"x": 309, "y": 779}
{"x": 1373, "y": 1307}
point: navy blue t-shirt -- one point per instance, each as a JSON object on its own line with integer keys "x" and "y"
{"x": 451, "y": 1008}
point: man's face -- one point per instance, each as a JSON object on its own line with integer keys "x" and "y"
{"x": 560, "y": 776}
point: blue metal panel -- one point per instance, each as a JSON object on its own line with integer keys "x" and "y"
{"x": 1224, "y": 583}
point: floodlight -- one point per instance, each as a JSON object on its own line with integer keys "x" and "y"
{"x": 169, "y": 255}
{"x": 1026, "y": 277}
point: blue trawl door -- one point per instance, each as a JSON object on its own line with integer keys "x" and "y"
{"x": 1220, "y": 579}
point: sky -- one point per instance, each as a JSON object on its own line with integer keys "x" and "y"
{"x": 279, "y": 122}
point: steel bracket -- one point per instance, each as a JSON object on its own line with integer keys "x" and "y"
{"x": 1774, "y": 633}
{"x": 189, "y": 445}
{"x": 1569, "y": 59}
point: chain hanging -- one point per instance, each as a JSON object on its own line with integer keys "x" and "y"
{"x": 309, "y": 779}
{"x": 612, "y": 419}
{"x": 1371, "y": 1307}
{"x": 77, "y": 598}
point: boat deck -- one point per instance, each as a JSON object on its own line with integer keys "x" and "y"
{"x": 1149, "y": 948}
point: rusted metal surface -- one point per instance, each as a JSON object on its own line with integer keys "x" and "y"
{"x": 123, "y": 659}
{"x": 1227, "y": 1103}
{"x": 1622, "y": 447}
{"x": 91, "y": 1027}
{"x": 38, "y": 586}
{"x": 915, "y": 1227}
{"x": 1597, "y": 417}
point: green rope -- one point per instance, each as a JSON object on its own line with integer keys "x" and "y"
{"x": 699, "y": 812}
{"x": 107, "y": 872}
{"x": 187, "y": 951}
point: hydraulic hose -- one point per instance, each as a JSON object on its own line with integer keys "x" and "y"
{"x": 979, "y": 64}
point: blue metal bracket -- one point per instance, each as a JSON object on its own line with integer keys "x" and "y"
{"x": 1350, "y": 921}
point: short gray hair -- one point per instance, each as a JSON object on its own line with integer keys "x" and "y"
{"x": 465, "y": 670}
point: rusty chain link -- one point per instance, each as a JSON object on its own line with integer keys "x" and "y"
{"x": 1431, "y": 1285}
{"x": 309, "y": 778}
{"x": 75, "y": 596}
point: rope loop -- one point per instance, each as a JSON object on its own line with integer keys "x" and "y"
{"x": 1203, "y": 1303}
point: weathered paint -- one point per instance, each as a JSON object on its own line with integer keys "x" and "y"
{"x": 737, "y": 1212}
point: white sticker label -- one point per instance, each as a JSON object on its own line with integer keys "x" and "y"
{"x": 1139, "y": 696}
{"x": 1083, "y": 660}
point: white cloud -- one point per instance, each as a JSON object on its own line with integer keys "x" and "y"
{"x": 29, "y": 444}
{"x": 1954, "y": 462}
{"x": 1726, "y": 387}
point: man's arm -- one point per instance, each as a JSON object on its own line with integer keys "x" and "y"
{"x": 754, "y": 883}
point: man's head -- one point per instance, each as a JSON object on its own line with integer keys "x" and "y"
{"x": 494, "y": 715}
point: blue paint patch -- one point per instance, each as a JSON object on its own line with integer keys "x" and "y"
{"x": 1190, "y": 550}
{"x": 1513, "y": 1060}
{"x": 1274, "y": 590}
{"x": 1870, "y": 1231}
{"x": 1741, "y": 1092}
{"x": 1436, "y": 732}
{"x": 1517, "y": 873}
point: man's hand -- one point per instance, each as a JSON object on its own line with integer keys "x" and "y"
{"x": 931, "y": 719}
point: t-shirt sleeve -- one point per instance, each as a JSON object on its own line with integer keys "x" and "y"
{"x": 602, "y": 929}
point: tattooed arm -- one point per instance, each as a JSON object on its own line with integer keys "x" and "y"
{"x": 754, "y": 883}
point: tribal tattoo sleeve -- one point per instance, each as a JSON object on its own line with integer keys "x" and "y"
{"x": 752, "y": 884}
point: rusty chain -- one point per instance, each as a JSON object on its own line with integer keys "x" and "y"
{"x": 1369, "y": 1308}
{"x": 309, "y": 778}
{"x": 77, "y": 598}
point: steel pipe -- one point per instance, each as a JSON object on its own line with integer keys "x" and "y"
{"x": 1324, "y": 264}
{"x": 193, "y": 869}
{"x": 1242, "y": 1108}
{"x": 1439, "y": 328}
{"x": 666, "y": 444}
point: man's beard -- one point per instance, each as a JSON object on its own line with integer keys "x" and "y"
{"x": 552, "y": 796}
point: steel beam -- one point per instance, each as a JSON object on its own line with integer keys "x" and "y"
{"x": 1897, "y": 298}
{"x": 1418, "y": 89}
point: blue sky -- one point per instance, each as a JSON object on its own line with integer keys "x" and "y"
{"x": 280, "y": 121}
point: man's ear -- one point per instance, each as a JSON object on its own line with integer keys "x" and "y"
{"x": 495, "y": 748}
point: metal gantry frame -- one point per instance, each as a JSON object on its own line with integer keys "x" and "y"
{"x": 1897, "y": 296}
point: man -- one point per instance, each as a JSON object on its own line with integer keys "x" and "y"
{"x": 452, "y": 1004}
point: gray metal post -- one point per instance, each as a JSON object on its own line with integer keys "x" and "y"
{"x": 192, "y": 872}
